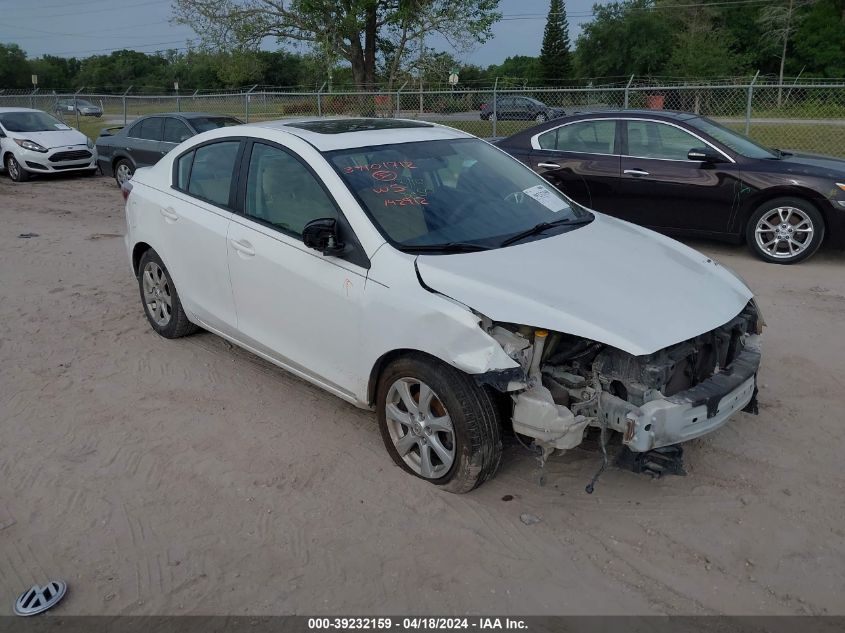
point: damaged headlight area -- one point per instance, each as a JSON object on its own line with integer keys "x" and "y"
{"x": 565, "y": 383}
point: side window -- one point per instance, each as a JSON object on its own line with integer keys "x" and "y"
{"x": 135, "y": 131}
{"x": 175, "y": 131}
{"x": 591, "y": 137}
{"x": 548, "y": 140}
{"x": 282, "y": 192}
{"x": 150, "y": 129}
{"x": 183, "y": 170}
{"x": 647, "y": 139}
{"x": 212, "y": 170}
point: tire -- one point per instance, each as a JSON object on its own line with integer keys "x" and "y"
{"x": 785, "y": 230}
{"x": 14, "y": 170}
{"x": 168, "y": 321}
{"x": 541, "y": 117}
{"x": 492, "y": 117}
{"x": 474, "y": 440}
{"x": 123, "y": 171}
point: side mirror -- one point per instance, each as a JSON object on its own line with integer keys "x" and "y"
{"x": 705, "y": 155}
{"x": 321, "y": 235}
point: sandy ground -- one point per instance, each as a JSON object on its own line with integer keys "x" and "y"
{"x": 188, "y": 476}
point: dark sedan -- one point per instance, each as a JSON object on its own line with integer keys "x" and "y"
{"x": 142, "y": 143}
{"x": 519, "y": 109}
{"x": 684, "y": 174}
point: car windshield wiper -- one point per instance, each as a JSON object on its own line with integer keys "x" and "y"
{"x": 448, "y": 247}
{"x": 542, "y": 226}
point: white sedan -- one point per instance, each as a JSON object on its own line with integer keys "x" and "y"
{"x": 416, "y": 270}
{"x": 34, "y": 142}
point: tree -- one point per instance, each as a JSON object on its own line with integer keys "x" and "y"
{"x": 780, "y": 21}
{"x": 819, "y": 43}
{"x": 555, "y": 62}
{"x": 624, "y": 38}
{"x": 14, "y": 69}
{"x": 352, "y": 30}
{"x": 698, "y": 28}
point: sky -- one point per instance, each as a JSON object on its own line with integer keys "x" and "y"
{"x": 78, "y": 28}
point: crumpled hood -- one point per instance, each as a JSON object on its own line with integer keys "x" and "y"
{"x": 52, "y": 139}
{"x": 609, "y": 281}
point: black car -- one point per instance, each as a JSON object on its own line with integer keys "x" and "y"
{"x": 520, "y": 109}
{"x": 684, "y": 174}
{"x": 142, "y": 143}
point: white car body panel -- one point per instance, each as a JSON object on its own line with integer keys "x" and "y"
{"x": 649, "y": 291}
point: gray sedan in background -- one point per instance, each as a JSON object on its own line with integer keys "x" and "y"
{"x": 69, "y": 107}
{"x": 144, "y": 141}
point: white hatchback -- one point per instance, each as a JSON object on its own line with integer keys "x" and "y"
{"x": 417, "y": 270}
{"x": 34, "y": 142}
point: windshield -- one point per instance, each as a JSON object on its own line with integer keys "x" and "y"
{"x": 204, "y": 124}
{"x": 457, "y": 191}
{"x": 30, "y": 122}
{"x": 733, "y": 140}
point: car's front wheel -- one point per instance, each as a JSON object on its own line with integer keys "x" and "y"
{"x": 785, "y": 230}
{"x": 161, "y": 301}
{"x": 14, "y": 169}
{"x": 123, "y": 171}
{"x": 438, "y": 423}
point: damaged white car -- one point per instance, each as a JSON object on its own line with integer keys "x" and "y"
{"x": 417, "y": 270}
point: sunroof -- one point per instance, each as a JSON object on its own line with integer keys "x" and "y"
{"x": 341, "y": 126}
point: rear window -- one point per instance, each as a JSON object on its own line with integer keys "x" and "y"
{"x": 204, "y": 124}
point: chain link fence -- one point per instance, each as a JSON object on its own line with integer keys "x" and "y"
{"x": 806, "y": 116}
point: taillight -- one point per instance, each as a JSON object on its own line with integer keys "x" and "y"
{"x": 483, "y": 105}
{"x": 126, "y": 189}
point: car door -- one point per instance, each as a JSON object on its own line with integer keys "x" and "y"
{"x": 505, "y": 108}
{"x": 294, "y": 304}
{"x": 144, "y": 141}
{"x": 581, "y": 159}
{"x": 660, "y": 187}
{"x": 175, "y": 131}
{"x": 194, "y": 225}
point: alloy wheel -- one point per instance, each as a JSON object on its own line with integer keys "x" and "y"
{"x": 420, "y": 428}
{"x": 784, "y": 232}
{"x": 124, "y": 173}
{"x": 157, "y": 294}
{"x": 12, "y": 168}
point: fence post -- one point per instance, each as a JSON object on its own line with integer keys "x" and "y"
{"x": 748, "y": 105}
{"x": 32, "y": 98}
{"x": 246, "y": 103}
{"x": 75, "y": 106}
{"x": 398, "y": 102}
{"x": 495, "y": 107}
{"x": 627, "y": 88}
{"x": 124, "y": 104}
{"x": 320, "y": 100}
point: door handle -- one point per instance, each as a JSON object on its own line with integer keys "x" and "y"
{"x": 549, "y": 165}
{"x": 636, "y": 172}
{"x": 243, "y": 247}
{"x": 169, "y": 214}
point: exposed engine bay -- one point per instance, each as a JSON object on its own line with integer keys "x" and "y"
{"x": 677, "y": 393}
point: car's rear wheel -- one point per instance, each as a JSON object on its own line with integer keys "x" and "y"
{"x": 123, "y": 171}
{"x": 161, "y": 301}
{"x": 14, "y": 169}
{"x": 438, "y": 423}
{"x": 541, "y": 117}
{"x": 785, "y": 230}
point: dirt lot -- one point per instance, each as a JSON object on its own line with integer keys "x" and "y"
{"x": 188, "y": 476}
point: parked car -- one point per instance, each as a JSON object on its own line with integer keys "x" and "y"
{"x": 417, "y": 270}
{"x": 684, "y": 174}
{"x": 520, "y": 108}
{"x": 146, "y": 140}
{"x": 34, "y": 142}
{"x": 72, "y": 106}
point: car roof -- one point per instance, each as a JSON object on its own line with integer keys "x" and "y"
{"x": 327, "y": 134}
{"x": 188, "y": 115}
{"x": 4, "y": 110}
